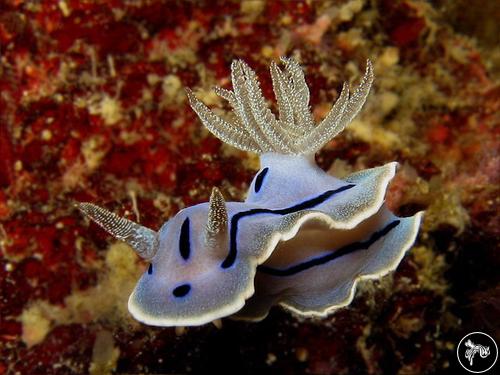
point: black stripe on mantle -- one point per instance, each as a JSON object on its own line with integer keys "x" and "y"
{"x": 331, "y": 256}
{"x": 310, "y": 203}
{"x": 260, "y": 179}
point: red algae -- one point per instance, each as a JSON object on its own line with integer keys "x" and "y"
{"x": 92, "y": 108}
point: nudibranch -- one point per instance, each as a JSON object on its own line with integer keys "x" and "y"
{"x": 302, "y": 239}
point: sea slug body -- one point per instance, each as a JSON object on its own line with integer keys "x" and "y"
{"x": 301, "y": 239}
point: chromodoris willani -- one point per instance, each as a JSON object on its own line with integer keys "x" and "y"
{"x": 301, "y": 239}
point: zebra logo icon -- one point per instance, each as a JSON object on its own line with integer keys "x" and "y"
{"x": 477, "y": 352}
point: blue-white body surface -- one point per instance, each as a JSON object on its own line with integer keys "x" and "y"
{"x": 301, "y": 239}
